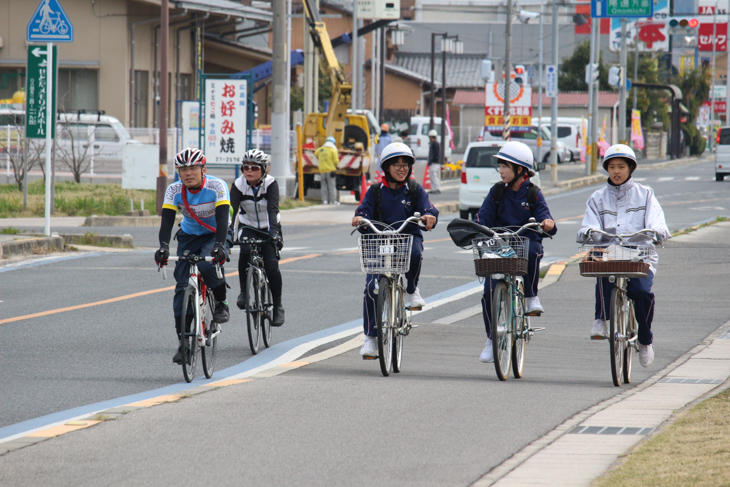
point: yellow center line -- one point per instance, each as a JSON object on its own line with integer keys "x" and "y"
{"x": 125, "y": 297}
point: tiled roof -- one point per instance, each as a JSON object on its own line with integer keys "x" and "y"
{"x": 566, "y": 99}
{"x": 462, "y": 70}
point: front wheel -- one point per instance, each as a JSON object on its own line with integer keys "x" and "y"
{"x": 384, "y": 322}
{"x": 631, "y": 343}
{"x": 400, "y": 321}
{"x": 267, "y": 317}
{"x": 617, "y": 334}
{"x": 253, "y": 311}
{"x": 522, "y": 325}
{"x": 501, "y": 332}
{"x": 188, "y": 340}
{"x": 207, "y": 352}
{"x": 719, "y": 177}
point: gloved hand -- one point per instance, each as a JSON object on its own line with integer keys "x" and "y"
{"x": 161, "y": 256}
{"x": 275, "y": 238}
{"x": 219, "y": 254}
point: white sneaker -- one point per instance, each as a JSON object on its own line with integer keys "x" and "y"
{"x": 533, "y": 305}
{"x": 487, "y": 355}
{"x": 646, "y": 354}
{"x": 599, "y": 330}
{"x": 415, "y": 300}
{"x": 370, "y": 347}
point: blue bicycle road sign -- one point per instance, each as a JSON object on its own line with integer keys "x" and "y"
{"x": 50, "y": 24}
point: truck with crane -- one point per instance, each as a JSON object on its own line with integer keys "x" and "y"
{"x": 350, "y": 130}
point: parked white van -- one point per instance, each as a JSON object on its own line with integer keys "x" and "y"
{"x": 722, "y": 154}
{"x": 418, "y": 137}
{"x": 568, "y": 133}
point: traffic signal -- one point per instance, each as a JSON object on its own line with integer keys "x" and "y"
{"x": 588, "y": 73}
{"x": 682, "y": 25}
{"x": 520, "y": 74}
{"x": 614, "y": 76}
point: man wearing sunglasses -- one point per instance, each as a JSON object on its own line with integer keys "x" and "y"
{"x": 255, "y": 203}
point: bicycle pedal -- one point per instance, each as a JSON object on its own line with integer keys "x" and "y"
{"x": 409, "y": 308}
{"x": 534, "y": 313}
{"x": 599, "y": 338}
{"x": 364, "y": 357}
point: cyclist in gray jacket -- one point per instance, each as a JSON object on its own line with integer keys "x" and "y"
{"x": 625, "y": 206}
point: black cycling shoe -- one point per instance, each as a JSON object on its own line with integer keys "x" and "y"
{"x": 221, "y": 314}
{"x": 278, "y": 316}
{"x": 178, "y": 358}
{"x": 241, "y": 301}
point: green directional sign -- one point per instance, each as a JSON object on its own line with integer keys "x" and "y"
{"x": 36, "y": 90}
{"x": 621, "y": 8}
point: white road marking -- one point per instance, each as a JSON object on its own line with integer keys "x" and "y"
{"x": 692, "y": 178}
{"x": 666, "y": 178}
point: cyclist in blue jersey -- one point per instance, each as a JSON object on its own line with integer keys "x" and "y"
{"x": 204, "y": 202}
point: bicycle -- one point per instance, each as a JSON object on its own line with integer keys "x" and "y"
{"x": 199, "y": 331}
{"x": 619, "y": 262}
{"x": 259, "y": 301}
{"x": 502, "y": 255}
{"x": 387, "y": 253}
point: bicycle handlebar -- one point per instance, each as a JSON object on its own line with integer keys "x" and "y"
{"x": 193, "y": 259}
{"x": 530, "y": 225}
{"x": 416, "y": 218}
{"x": 623, "y": 236}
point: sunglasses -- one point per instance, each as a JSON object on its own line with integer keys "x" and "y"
{"x": 246, "y": 167}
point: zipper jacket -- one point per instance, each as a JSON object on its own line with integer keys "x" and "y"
{"x": 625, "y": 209}
{"x": 259, "y": 205}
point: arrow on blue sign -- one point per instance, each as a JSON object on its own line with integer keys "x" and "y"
{"x": 50, "y": 24}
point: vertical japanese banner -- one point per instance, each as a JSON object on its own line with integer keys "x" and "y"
{"x": 225, "y": 116}
{"x": 637, "y": 136}
{"x": 190, "y": 118}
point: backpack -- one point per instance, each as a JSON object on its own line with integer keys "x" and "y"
{"x": 498, "y": 196}
{"x": 412, "y": 192}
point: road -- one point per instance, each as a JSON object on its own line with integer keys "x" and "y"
{"x": 445, "y": 420}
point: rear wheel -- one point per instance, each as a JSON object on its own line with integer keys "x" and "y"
{"x": 522, "y": 324}
{"x": 253, "y": 311}
{"x": 719, "y": 177}
{"x": 211, "y": 342}
{"x": 400, "y": 319}
{"x": 188, "y": 340}
{"x": 464, "y": 214}
{"x": 501, "y": 333}
{"x": 384, "y": 320}
{"x": 616, "y": 335}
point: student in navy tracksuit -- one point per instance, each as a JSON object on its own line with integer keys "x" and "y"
{"x": 396, "y": 205}
{"x": 515, "y": 169}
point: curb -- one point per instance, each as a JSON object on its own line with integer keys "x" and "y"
{"x": 124, "y": 241}
{"x": 122, "y": 221}
{"x": 30, "y": 245}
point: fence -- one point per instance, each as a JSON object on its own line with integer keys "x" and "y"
{"x": 105, "y": 160}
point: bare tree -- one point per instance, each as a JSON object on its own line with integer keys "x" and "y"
{"x": 73, "y": 145}
{"x": 12, "y": 140}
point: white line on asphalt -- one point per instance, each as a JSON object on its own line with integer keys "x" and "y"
{"x": 666, "y": 178}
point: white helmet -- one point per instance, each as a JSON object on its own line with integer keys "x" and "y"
{"x": 517, "y": 153}
{"x": 623, "y": 151}
{"x": 432, "y": 133}
{"x": 392, "y": 152}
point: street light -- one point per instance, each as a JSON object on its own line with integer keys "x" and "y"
{"x": 449, "y": 44}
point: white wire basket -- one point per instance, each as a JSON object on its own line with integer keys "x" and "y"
{"x": 500, "y": 255}
{"x": 615, "y": 260}
{"x": 385, "y": 253}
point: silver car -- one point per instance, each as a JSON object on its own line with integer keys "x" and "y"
{"x": 529, "y": 138}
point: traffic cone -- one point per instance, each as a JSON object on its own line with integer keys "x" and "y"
{"x": 363, "y": 188}
{"x": 426, "y": 180}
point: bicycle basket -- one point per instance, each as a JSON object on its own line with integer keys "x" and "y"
{"x": 500, "y": 255}
{"x": 615, "y": 260}
{"x": 385, "y": 253}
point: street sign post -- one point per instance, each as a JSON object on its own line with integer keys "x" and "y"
{"x": 621, "y": 8}
{"x": 50, "y": 24}
{"x": 551, "y": 81}
{"x": 37, "y": 85}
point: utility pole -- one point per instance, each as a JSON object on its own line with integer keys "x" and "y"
{"x": 279, "y": 130}
{"x": 622, "y": 138}
{"x": 554, "y": 103}
{"x": 162, "y": 174}
{"x": 311, "y": 71}
{"x": 591, "y": 143}
{"x": 355, "y": 102}
{"x": 507, "y": 72}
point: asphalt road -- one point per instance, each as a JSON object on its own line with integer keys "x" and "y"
{"x": 445, "y": 420}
